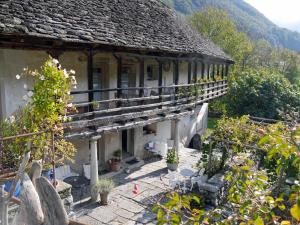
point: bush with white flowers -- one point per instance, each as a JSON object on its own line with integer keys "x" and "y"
{"x": 47, "y": 105}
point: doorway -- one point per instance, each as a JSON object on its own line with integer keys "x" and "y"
{"x": 127, "y": 143}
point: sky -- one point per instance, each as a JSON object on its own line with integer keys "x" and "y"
{"x": 285, "y": 13}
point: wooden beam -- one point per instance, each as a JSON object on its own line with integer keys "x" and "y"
{"x": 176, "y": 72}
{"x": 195, "y": 72}
{"x": 202, "y": 70}
{"x": 142, "y": 76}
{"x": 119, "y": 76}
{"x": 208, "y": 71}
{"x": 226, "y": 70}
{"x": 222, "y": 72}
{"x": 140, "y": 123}
{"x": 160, "y": 77}
{"x": 189, "y": 72}
{"x": 90, "y": 74}
{"x": 213, "y": 71}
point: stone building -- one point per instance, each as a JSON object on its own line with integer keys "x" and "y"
{"x": 134, "y": 59}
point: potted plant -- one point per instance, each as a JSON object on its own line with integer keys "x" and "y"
{"x": 172, "y": 159}
{"x": 115, "y": 162}
{"x": 96, "y": 105}
{"x": 103, "y": 187}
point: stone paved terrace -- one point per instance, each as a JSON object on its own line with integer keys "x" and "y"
{"x": 127, "y": 208}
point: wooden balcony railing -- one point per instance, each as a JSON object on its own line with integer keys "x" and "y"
{"x": 141, "y": 102}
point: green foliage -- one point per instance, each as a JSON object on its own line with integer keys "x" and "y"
{"x": 216, "y": 25}
{"x": 172, "y": 156}
{"x": 45, "y": 111}
{"x": 103, "y": 186}
{"x": 251, "y": 193}
{"x": 247, "y": 19}
{"x": 262, "y": 94}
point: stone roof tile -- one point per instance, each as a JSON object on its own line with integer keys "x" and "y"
{"x": 141, "y": 24}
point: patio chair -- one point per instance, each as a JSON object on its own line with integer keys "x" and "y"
{"x": 174, "y": 180}
{"x": 200, "y": 178}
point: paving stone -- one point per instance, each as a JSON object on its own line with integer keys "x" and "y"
{"x": 130, "y": 206}
{"x": 124, "y": 213}
{"x": 104, "y": 214}
{"x": 89, "y": 220}
{"x": 127, "y": 208}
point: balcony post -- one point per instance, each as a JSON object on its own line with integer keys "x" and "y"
{"x": 160, "y": 76}
{"x": 176, "y": 76}
{"x": 195, "y": 72}
{"x": 208, "y": 71}
{"x": 142, "y": 76}
{"x": 226, "y": 70}
{"x": 213, "y": 71}
{"x": 189, "y": 72}
{"x": 222, "y": 68}
{"x": 202, "y": 69}
{"x": 90, "y": 74}
{"x": 94, "y": 163}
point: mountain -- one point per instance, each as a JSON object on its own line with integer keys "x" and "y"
{"x": 247, "y": 19}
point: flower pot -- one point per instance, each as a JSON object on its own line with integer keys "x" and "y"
{"x": 172, "y": 166}
{"x": 104, "y": 198}
{"x": 115, "y": 165}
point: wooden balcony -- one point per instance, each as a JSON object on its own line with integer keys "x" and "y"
{"x": 142, "y": 105}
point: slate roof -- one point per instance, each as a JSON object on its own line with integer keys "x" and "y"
{"x": 138, "y": 24}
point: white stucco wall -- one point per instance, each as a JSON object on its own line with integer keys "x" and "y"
{"x": 76, "y": 61}
{"x": 190, "y": 125}
{"x": 140, "y": 140}
{"x": 13, "y": 62}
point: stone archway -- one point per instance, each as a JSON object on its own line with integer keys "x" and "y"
{"x": 196, "y": 142}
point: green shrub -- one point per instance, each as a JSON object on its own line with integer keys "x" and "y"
{"x": 262, "y": 94}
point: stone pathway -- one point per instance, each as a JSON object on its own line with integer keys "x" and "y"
{"x": 127, "y": 208}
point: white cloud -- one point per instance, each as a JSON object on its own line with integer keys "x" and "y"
{"x": 285, "y": 13}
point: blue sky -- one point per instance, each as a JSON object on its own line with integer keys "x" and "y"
{"x": 285, "y": 13}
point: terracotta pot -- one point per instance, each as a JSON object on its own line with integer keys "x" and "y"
{"x": 104, "y": 198}
{"x": 115, "y": 165}
{"x": 172, "y": 166}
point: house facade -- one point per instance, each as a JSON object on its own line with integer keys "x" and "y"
{"x": 143, "y": 74}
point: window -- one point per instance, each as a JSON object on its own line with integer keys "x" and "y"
{"x": 152, "y": 72}
{"x": 150, "y": 129}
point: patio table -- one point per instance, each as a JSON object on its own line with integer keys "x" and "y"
{"x": 186, "y": 173}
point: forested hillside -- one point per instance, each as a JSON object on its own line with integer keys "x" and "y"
{"x": 247, "y": 19}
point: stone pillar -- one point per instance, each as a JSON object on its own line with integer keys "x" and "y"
{"x": 176, "y": 135}
{"x": 94, "y": 163}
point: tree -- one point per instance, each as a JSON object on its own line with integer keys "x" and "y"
{"x": 216, "y": 25}
{"x": 262, "y": 94}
